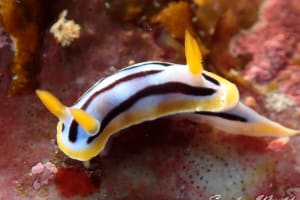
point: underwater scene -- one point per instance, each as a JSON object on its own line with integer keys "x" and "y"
{"x": 150, "y": 99}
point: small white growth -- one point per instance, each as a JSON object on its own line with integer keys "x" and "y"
{"x": 65, "y": 31}
{"x": 278, "y": 102}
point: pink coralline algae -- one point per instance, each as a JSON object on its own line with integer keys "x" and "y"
{"x": 273, "y": 43}
{"x": 43, "y": 174}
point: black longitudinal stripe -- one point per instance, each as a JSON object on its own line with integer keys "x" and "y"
{"x": 223, "y": 115}
{"x": 121, "y": 80}
{"x": 74, "y": 125}
{"x": 165, "y": 64}
{"x": 166, "y": 88}
{"x": 210, "y": 79}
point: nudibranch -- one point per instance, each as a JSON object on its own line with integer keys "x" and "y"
{"x": 147, "y": 91}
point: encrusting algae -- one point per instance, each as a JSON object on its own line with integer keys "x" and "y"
{"x": 22, "y": 20}
{"x": 171, "y": 20}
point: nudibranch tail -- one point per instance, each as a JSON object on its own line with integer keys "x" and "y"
{"x": 193, "y": 54}
{"x": 270, "y": 128}
{"x": 52, "y": 104}
{"x": 86, "y": 121}
{"x": 258, "y": 125}
{"x": 245, "y": 121}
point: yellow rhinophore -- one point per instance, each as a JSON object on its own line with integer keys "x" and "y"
{"x": 52, "y": 104}
{"x": 193, "y": 54}
{"x": 86, "y": 121}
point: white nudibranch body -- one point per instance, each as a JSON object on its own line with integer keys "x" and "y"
{"x": 147, "y": 91}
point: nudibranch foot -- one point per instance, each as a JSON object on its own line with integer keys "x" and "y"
{"x": 87, "y": 164}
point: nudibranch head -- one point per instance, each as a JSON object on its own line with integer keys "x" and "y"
{"x": 71, "y": 120}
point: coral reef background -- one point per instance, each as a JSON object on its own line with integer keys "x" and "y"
{"x": 163, "y": 159}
